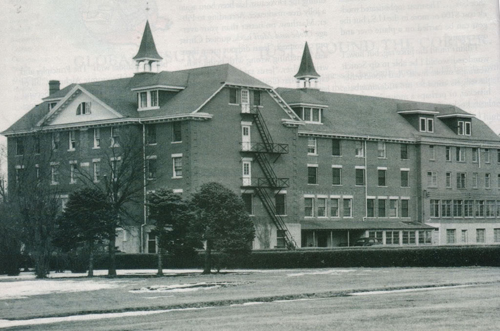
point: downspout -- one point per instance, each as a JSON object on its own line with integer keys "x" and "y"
{"x": 144, "y": 209}
{"x": 366, "y": 183}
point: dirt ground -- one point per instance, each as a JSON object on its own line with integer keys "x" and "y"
{"x": 304, "y": 299}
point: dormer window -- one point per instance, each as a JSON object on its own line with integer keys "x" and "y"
{"x": 52, "y": 105}
{"x": 310, "y": 115}
{"x": 464, "y": 128}
{"x": 426, "y": 124}
{"x": 147, "y": 100}
{"x": 83, "y": 108}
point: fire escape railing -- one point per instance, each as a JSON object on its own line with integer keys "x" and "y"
{"x": 271, "y": 180}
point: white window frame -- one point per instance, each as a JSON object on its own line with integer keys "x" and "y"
{"x": 71, "y": 140}
{"x": 149, "y": 100}
{"x": 114, "y": 142}
{"x": 311, "y": 198}
{"x": 407, "y": 171}
{"x": 487, "y": 180}
{"x": 448, "y": 179}
{"x": 312, "y": 149}
{"x": 174, "y": 172}
{"x": 381, "y": 152}
{"x": 433, "y": 179}
{"x": 97, "y": 138}
{"x": 395, "y": 202}
{"x": 351, "y": 204}
{"x": 340, "y": 173}
{"x": 487, "y": 155}
{"x": 96, "y": 170}
{"x": 54, "y": 173}
{"x": 359, "y": 151}
{"x": 73, "y": 165}
{"x": 325, "y": 206}
{"x": 84, "y": 108}
{"x": 337, "y": 198}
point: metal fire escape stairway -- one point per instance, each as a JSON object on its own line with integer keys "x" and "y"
{"x": 271, "y": 182}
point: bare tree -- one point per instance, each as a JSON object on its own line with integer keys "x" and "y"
{"x": 121, "y": 179}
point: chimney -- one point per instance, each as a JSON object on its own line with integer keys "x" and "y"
{"x": 54, "y": 86}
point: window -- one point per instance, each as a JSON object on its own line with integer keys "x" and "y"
{"x": 247, "y": 172}
{"x": 381, "y": 150}
{"x": 37, "y": 144}
{"x": 19, "y": 146}
{"x": 431, "y": 179}
{"x": 72, "y": 172}
{"x": 311, "y": 115}
{"x": 334, "y": 207}
{"x": 424, "y": 237}
{"x": 359, "y": 151}
{"x": 448, "y": 180}
{"x": 177, "y": 132}
{"x": 312, "y": 175}
{"x": 115, "y": 168}
{"x": 379, "y": 235}
{"x": 480, "y": 235}
{"x": 336, "y": 175}
{"x": 393, "y": 208}
{"x": 381, "y": 207}
{"x": 496, "y": 235}
{"x": 54, "y": 171}
{"x": 446, "y": 208}
{"x": 19, "y": 174}
{"x": 498, "y": 155}
{"x": 405, "y": 178}
{"x": 347, "y": 210}
{"x": 52, "y": 105}
{"x": 464, "y": 236}
{"x": 382, "y": 174}
{"x": 308, "y": 207}
{"x": 475, "y": 180}
{"x": 487, "y": 156}
{"x": 83, "y": 108}
{"x": 498, "y": 180}
{"x": 450, "y": 236}
{"x": 360, "y": 176}
{"x": 233, "y": 95}
{"x": 432, "y": 152}
{"x": 460, "y": 152}
{"x": 151, "y": 134}
{"x": 245, "y": 97}
{"x": 336, "y": 147}
{"x": 96, "y": 170}
{"x": 312, "y": 146}
{"x": 321, "y": 205}
{"x": 280, "y": 238}
{"x": 458, "y": 208}
{"x": 256, "y": 98}
{"x": 392, "y": 237}
{"x": 448, "y": 153}
{"x": 464, "y": 128}
{"x": 151, "y": 168}
{"x": 434, "y": 208}
{"x": 409, "y": 238}
{"x": 154, "y": 98}
{"x": 97, "y": 138}
{"x": 487, "y": 180}
{"x": 468, "y": 208}
{"x": 151, "y": 243}
{"x": 280, "y": 204}
{"x": 490, "y": 208}
{"x": 248, "y": 200}
{"x": 461, "y": 180}
{"x": 426, "y": 124}
{"x": 147, "y": 100}
{"x": 177, "y": 166}
{"x": 479, "y": 208}
{"x": 405, "y": 208}
{"x": 370, "y": 207}
{"x": 475, "y": 155}
{"x": 115, "y": 137}
{"x": 404, "y": 152}
{"x": 316, "y": 115}
{"x": 72, "y": 140}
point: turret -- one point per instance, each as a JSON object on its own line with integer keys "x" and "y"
{"x": 147, "y": 58}
{"x": 306, "y": 73}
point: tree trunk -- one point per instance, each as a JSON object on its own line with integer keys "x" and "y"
{"x": 160, "y": 264}
{"x": 91, "y": 259}
{"x": 112, "y": 255}
{"x": 208, "y": 258}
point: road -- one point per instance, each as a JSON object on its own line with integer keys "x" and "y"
{"x": 455, "y": 308}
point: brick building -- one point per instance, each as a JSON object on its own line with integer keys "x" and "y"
{"x": 314, "y": 168}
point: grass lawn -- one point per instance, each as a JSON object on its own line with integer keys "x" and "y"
{"x": 25, "y": 298}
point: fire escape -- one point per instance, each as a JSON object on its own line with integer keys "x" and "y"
{"x": 267, "y": 186}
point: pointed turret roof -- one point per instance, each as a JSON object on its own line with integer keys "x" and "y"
{"x": 306, "y": 69}
{"x": 147, "y": 50}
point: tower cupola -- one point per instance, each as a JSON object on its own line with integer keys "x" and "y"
{"x": 147, "y": 58}
{"x": 306, "y": 73}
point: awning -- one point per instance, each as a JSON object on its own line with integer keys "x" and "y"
{"x": 364, "y": 225}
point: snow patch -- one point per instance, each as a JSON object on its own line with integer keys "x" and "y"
{"x": 324, "y": 272}
{"x": 182, "y": 287}
{"x": 89, "y": 317}
{"x": 27, "y": 288}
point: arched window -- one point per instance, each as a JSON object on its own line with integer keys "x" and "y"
{"x": 83, "y": 108}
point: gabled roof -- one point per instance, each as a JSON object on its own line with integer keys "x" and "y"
{"x": 299, "y": 97}
{"x": 306, "y": 69}
{"x": 147, "y": 50}
{"x": 374, "y": 117}
{"x": 199, "y": 85}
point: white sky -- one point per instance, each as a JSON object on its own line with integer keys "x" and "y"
{"x": 437, "y": 51}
